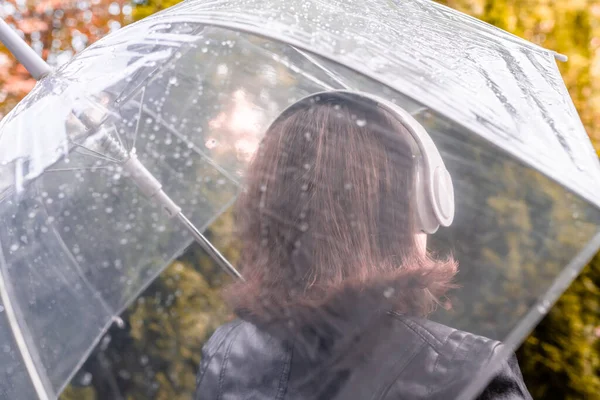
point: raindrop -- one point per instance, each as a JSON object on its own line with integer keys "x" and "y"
{"x": 123, "y": 241}
{"x": 14, "y": 248}
{"x": 307, "y": 135}
{"x": 86, "y": 379}
{"x": 543, "y": 307}
{"x": 222, "y": 69}
{"x": 263, "y": 188}
{"x": 32, "y": 214}
{"x": 304, "y": 227}
{"x": 148, "y": 120}
{"x": 6, "y": 348}
{"x": 61, "y": 195}
{"x": 24, "y": 239}
{"x": 49, "y": 201}
{"x": 388, "y": 292}
{"x": 211, "y": 143}
{"x": 67, "y": 228}
{"x": 1, "y": 309}
{"x": 204, "y": 49}
{"x": 307, "y": 166}
{"x": 144, "y": 360}
{"x": 361, "y": 122}
{"x": 44, "y": 194}
{"x": 302, "y": 215}
{"x": 304, "y": 187}
{"x": 348, "y": 186}
{"x": 173, "y": 80}
{"x": 109, "y": 210}
{"x": 119, "y": 322}
{"x": 50, "y": 219}
{"x": 44, "y": 229}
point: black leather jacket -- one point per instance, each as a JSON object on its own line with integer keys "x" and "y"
{"x": 419, "y": 359}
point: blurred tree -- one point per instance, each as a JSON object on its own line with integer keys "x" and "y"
{"x": 56, "y": 29}
{"x": 561, "y": 357}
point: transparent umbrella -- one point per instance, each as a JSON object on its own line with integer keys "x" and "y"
{"x": 165, "y": 114}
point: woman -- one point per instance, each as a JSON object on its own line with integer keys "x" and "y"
{"x": 333, "y": 224}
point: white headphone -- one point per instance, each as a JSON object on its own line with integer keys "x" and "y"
{"x": 434, "y": 192}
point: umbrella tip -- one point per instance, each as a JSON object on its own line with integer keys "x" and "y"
{"x": 561, "y": 57}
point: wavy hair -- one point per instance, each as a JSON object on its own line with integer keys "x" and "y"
{"x": 327, "y": 213}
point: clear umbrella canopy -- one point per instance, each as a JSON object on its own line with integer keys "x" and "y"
{"x": 191, "y": 91}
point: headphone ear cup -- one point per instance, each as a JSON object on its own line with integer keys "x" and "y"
{"x": 443, "y": 196}
{"x": 425, "y": 217}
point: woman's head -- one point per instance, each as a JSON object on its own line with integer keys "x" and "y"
{"x": 328, "y": 207}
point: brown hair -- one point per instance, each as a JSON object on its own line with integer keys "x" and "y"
{"x": 327, "y": 210}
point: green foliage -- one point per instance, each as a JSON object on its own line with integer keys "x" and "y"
{"x": 150, "y": 7}
{"x": 561, "y": 358}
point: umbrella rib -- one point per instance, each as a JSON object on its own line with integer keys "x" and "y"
{"x": 28, "y": 358}
{"x": 87, "y": 283}
{"x": 95, "y": 153}
{"x": 79, "y": 169}
{"x": 137, "y": 124}
{"x": 322, "y": 67}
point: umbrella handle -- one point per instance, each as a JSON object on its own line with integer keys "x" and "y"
{"x": 37, "y": 67}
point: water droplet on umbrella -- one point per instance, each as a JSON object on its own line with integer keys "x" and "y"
{"x": 119, "y": 322}
{"x": 86, "y": 379}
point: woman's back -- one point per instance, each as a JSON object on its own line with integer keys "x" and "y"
{"x": 411, "y": 358}
{"x": 333, "y": 222}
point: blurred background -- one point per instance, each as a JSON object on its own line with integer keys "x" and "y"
{"x": 154, "y": 349}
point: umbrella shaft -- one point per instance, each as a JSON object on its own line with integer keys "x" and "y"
{"x": 32, "y": 62}
{"x": 209, "y": 248}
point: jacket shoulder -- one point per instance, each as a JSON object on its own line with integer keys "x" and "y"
{"x": 239, "y": 359}
{"x": 452, "y": 345}
{"x": 449, "y": 359}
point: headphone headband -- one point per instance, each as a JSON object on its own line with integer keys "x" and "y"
{"x": 434, "y": 192}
